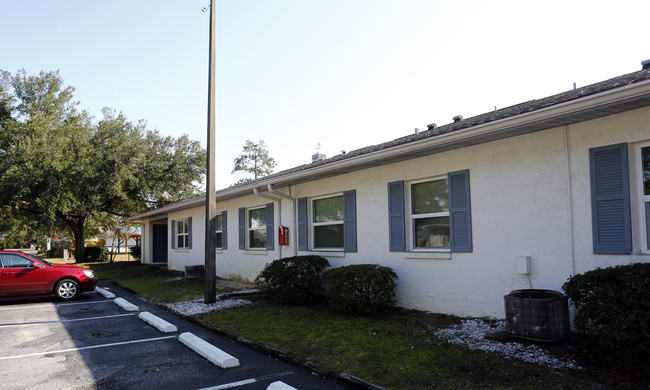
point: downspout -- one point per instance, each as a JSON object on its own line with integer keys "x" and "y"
{"x": 570, "y": 191}
{"x": 279, "y": 214}
{"x": 293, "y": 224}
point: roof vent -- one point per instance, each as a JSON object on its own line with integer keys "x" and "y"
{"x": 317, "y": 157}
{"x": 458, "y": 118}
{"x": 417, "y": 130}
{"x": 431, "y": 126}
{"x": 645, "y": 65}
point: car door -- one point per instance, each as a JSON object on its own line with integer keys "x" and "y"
{"x": 19, "y": 276}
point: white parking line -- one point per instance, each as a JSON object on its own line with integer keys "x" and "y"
{"x": 31, "y": 306}
{"x": 89, "y": 347}
{"x": 62, "y": 321}
{"x": 247, "y": 381}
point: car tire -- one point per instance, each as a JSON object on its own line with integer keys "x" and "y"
{"x": 66, "y": 289}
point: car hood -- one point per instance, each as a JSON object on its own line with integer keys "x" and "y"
{"x": 68, "y": 266}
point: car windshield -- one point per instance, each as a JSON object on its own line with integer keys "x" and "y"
{"x": 47, "y": 262}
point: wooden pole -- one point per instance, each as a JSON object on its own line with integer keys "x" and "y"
{"x": 211, "y": 196}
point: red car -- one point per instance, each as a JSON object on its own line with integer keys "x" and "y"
{"x": 21, "y": 276}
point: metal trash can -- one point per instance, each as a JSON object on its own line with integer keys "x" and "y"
{"x": 539, "y": 315}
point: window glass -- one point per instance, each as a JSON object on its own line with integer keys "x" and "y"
{"x": 328, "y": 226}
{"x": 430, "y": 214}
{"x": 432, "y": 232}
{"x": 329, "y": 209}
{"x": 15, "y": 261}
{"x": 182, "y": 233}
{"x": 430, "y": 197}
{"x": 219, "y": 233}
{"x": 328, "y": 236}
{"x": 257, "y": 218}
{"x": 257, "y": 238}
{"x": 219, "y": 222}
{"x": 257, "y": 228}
{"x": 645, "y": 167}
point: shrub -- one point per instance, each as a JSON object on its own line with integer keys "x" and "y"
{"x": 96, "y": 253}
{"x": 612, "y": 306}
{"x": 293, "y": 279}
{"x": 360, "y": 288}
{"x": 136, "y": 252}
{"x": 55, "y": 252}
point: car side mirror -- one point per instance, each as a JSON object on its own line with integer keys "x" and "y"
{"x": 36, "y": 265}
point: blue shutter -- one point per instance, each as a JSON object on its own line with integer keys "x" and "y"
{"x": 224, "y": 230}
{"x": 242, "y": 228}
{"x": 174, "y": 240}
{"x": 189, "y": 233}
{"x": 302, "y": 224}
{"x": 396, "y": 217}
{"x": 610, "y": 200}
{"x": 270, "y": 226}
{"x": 460, "y": 211}
{"x": 350, "y": 221}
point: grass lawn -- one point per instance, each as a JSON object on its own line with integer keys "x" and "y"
{"x": 395, "y": 350}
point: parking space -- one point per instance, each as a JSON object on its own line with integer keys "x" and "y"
{"x": 94, "y": 343}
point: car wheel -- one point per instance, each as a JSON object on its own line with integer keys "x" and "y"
{"x": 66, "y": 289}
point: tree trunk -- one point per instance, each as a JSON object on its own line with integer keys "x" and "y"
{"x": 79, "y": 246}
{"x": 77, "y": 227}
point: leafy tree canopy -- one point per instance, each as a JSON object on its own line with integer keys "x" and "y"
{"x": 254, "y": 159}
{"x": 56, "y": 164}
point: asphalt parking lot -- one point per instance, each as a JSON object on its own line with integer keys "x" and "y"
{"x": 93, "y": 343}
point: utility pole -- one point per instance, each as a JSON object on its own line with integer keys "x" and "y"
{"x": 211, "y": 196}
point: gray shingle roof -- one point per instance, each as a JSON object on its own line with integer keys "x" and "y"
{"x": 504, "y": 113}
{"x": 318, "y": 170}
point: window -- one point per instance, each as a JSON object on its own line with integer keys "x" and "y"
{"x": 437, "y": 213}
{"x": 219, "y": 222}
{"x": 333, "y": 223}
{"x": 327, "y": 222}
{"x": 182, "y": 233}
{"x": 15, "y": 261}
{"x": 612, "y": 202}
{"x": 430, "y": 214}
{"x": 645, "y": 194}
{"x": 257, "y": 228}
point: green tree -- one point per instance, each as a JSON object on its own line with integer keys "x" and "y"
{"x": 254, "y": 159}
{"x": 56, "y": 164}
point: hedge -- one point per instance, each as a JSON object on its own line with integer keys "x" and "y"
{"x": 96, "y": 253}
{"x": 293, "y": 279}
{"x": 613, "y": 306}
{"x": 364, "y": 288}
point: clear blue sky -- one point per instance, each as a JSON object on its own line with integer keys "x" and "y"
{"x": 296, "y": 73}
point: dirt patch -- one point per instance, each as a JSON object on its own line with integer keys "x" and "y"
{"x": 225, "y": 285}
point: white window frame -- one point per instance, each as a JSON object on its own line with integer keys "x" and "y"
{"x": 185, "y": 232}
{"x": 250, "y": 229}
{"x": 643, "y": 199}
{"x": 410, "y": 217}
{"x": 329, "y": 223}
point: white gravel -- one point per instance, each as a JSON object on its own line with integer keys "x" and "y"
{"x": 471, "y": 334}
{"x": 198, "y": 306}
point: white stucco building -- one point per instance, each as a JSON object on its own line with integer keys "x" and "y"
{"x": 455, "y": 210}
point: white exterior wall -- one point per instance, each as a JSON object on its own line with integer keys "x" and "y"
{"x": 518, "y": 197}
{"x": 147, "y": 238}
{"x": 180, "y": 258}
{"x": 247, "y": 264}
{"x": 530, "y": 196}
{"x": 633, "y": 128}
